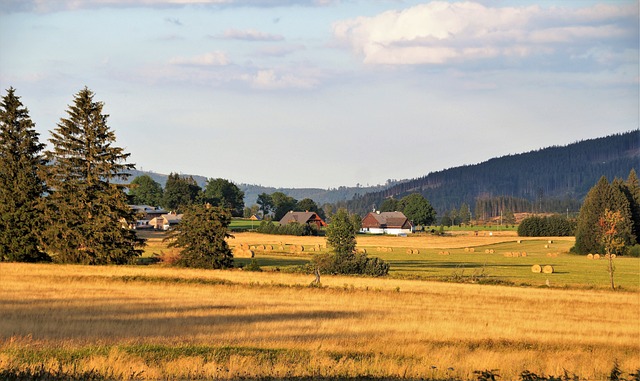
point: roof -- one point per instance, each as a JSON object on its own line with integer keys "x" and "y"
{"x": 301, "y": 218}
{"x": 172, "y": 218}
{"x": 387, "y": 219}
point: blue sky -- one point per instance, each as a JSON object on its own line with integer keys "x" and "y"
{"x": 324, "y": 93}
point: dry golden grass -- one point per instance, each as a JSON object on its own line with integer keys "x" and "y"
{"x": 271, "y": 324}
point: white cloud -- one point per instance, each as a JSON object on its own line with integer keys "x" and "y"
{"x": 442, "y": 32}
{"x": 250, "y": 35}
{"x": 271, "y": 79}
{"x": 207, "y": 59}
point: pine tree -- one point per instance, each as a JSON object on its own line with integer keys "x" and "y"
{"x": 145, "y": 191}
{"x": 632, "y": 191}
{"x": 202, "y": 235}
{"x": 180, "y": 192}
{"x": 87, "y": 213}
{"x": 21, "y": 186}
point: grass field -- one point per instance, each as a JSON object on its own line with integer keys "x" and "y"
{"x": 156, "y": 322}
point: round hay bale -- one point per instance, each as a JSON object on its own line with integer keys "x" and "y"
{"x": 523, "y": 254}
{"x": 293, "y": 249}
{"x": 390, "y": 249}
{"x": 548, "y": 269}
{"x": 281, "y": 248}
{"x": 550, "y": 241}
{"x": 486, "y": 251}
{"x": 415, "y": 251}
{"x": 471, "y": 249}
{"x": 546, "y": 246}
{"x": 491, "y": 251}
{"x": 446, "y": 253}
{"x": 261, "y": 248}
{"x": 589, "y": 256}
{"x": 516, "y": 254}
{"x": 252, "y": 248}
{"x": 245, "y": 246}
{"x": 613, "y": 256}
{"x": 269, "y": 247}
{"x": 596, "y": 256}
{"x": 549, "y": 255}
{"x": 466, "y": 249}
{"x": 536, "y": 269}
{"x": 300, "y": 248}
{"x": 408, "y": 251}
{"x": 519, "y": 241}
{"x": 508, "y": 254}
{"x": 606, "y": 256}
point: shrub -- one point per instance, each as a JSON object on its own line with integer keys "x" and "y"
{"x": 269, "y": 227}
{"x": 634, "y": 251}
{"x": 556, "y": 226}
{"x": 359, "y": 264}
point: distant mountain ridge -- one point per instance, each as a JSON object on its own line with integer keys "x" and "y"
{"x": 560, "y": 172}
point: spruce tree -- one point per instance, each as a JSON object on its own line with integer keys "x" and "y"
{"x": 632, "y": 191}
{"x": 202, "y": 235}
{"x": 21, "y": 186}
{"x": 587, "y": 230}
{"x": 87, "y": 213}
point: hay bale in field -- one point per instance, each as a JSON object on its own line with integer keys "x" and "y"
{"x": 519, "y": 241}
{"x": 408, "y": 251}
{"x": 613, "y": 256}
{"x": 491, "y": 251}
{"x": 446, "y": 253}
{"x": 269, "y": 247}
{"x": 281, "y": 248}
{"x": 548, "y": 254}
{"x": 508, "y": 254}
{"x": 293, "y": 248}
{"x": 589, "y": 256}
{"x": 546, "y": 246}
{"x": 415, "y": 251}
{"x": 362, "y": 251}
{"x": 596, "y": 256}
{"x": 389, "y": 249}
{"x": 550, "y": 241}
{"x": 466, "y": 249}
{"x": 606, "y": 256}
{"x": 245, "y": 246}
{"x": 486, "y": 251}
{"x": 536, "y": 269}
{"x": 300, "y": 248}
{"x": 472, "y": 249}
{"x": 260, "y": 247}
{"x": 548, "y": 269}
{"x": 523, "y": 254}
{"x": 242, "y": 253}
{"x": 252, "y": 248}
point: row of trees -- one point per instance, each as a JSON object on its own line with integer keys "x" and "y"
{"x": 63, "y": 203}
{"x": 182, "y": 191}
{"x": 278, "y": 204}
{"x": 618, "y": 196}
{"x": 551, "y": 226}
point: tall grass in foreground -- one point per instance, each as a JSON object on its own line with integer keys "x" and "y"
{"x": 162, "y": 323}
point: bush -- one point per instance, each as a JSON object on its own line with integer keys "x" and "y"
{"x": 553, "y": 226}
{"x": 269, "y": 227}
{"x": 634, "y": 251}
{"x": 359, "y": 264}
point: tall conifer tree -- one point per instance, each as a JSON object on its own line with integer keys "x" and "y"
{"x": 587, "y": 230}
{"x": 21, "y": 186}
{"x": 87, "y": 214}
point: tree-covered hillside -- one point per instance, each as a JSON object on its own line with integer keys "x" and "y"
{"x": 542, "y": 180}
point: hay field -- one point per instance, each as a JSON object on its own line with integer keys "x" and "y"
{"x": 150, "y": 322}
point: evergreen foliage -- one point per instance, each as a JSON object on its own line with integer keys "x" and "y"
{"x": 87, "y": 214}
{"x": 562, "y": 175}
{"x": 21, "y": 185}
{"x": 180, "y": 193}
{"x": 617, "y": 196}
{"x": 552, "y": 226}
{"x": 202, "y": 235}
{"x": 282, "y": 204}
{"x": 144, "y": 190}
{"x": 341, "y": 233}
{"x": 224, "y": 193}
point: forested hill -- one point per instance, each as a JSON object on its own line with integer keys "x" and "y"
{"x": 542, "y": 177}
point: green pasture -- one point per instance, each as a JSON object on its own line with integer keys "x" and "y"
{"x": 461, "y": 266}
{"x": 241, "y": 224}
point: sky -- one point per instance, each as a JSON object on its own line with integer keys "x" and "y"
{"x": 327, "y": 93}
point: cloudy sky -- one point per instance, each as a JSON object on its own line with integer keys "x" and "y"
{"x": 323, "y": 93}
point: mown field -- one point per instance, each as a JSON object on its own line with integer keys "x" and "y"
{"x": 157, "y": 322}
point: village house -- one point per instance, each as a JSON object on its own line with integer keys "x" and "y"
{"x": 144, "y": 215}
{"x": 386, "y": 223}
{"x": 166, "y": 221}
{"x": 303, "y": 218}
